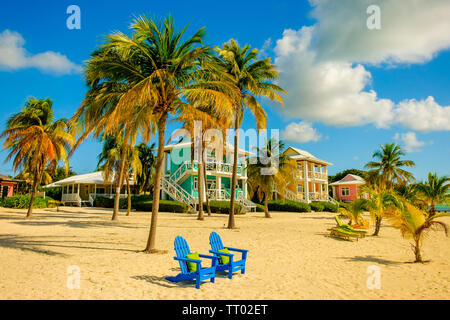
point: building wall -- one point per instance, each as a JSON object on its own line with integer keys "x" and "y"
{"x": 353, "y": 192}
{"x": 10, "y": 186}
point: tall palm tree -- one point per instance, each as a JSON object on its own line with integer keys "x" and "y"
{"x": 148, "y": 161}
{"x": 140, "y": 81}
{"x": 434, "y": 190}
{"x": 413, "y": 223}
{"x": 389, "y": 165}
{"x": 270, "y": 171}
{"x": 110, "y": 162}
{"x": 37, "y": 142}
{"x": 209, "y": 119}
{"x": 254, "y": 79}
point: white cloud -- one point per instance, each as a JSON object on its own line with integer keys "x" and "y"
{"x": 266, "y": 47}
{"x": 301, "y": 132}
{"x": 423, "y": 115}
{"x": 411, "y": 31}
{"x": 410, "y": 141}
{"x": 14, "y": 56}
{"x": 321, "y": 65}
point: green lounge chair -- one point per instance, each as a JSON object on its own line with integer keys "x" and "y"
{"x": 343, "y": 226}
{"x": 341, "y": 233}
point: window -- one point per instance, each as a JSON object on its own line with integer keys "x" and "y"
{"x": 345, "y": 191}
{"x": 195, "y": 183}
{"x": 300, "y": 188}
{"x": 211, "y": 184}
{"x": 70, "y": 189}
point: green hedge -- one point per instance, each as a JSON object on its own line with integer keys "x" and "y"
{"x": 344, "y": 205}
{"x": 288, "y": 205}
{"x": 259, "y": 207}
{"x": 317, "y": 206}
{"x": 102, "y": 202}
{"x": 164, "y": 206}
{"x": 23, "y": 202}
{"x": 223, "y": 207}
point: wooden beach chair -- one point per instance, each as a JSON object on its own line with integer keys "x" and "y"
{"x": 231, "y": 265}
{"x": 200, "y": 274}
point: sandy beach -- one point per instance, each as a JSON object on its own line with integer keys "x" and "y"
{"x": 290, "y": 257}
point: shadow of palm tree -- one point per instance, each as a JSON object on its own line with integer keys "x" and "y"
{"x": 30, "y": 244}
{"x": 161, "y": 281}
{"x": 373, "y": 259}
{"x": 80, "y": 224}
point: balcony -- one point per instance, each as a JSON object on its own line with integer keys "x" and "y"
{"x": 312, "y": 175}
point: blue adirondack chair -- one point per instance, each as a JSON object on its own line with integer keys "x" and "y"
{"x": 232, "y": 265}
{"x": 201, "y": 274}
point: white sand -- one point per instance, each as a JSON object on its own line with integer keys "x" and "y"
{"x": 290, "y": 257}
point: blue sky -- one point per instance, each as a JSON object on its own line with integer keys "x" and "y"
{"x": 350, "y": 88}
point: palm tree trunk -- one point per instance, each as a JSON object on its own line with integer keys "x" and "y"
{"x": 123, "y": 160}
{"x": 208, "y": 207}
{"x": 417, "y": 250}
{"x": 266, "y": 206}
{"x": 200, "y": 191}
{"x": 129, "y": 196}
{"x": 231, "y": 222}
{"x": 33, "y": 196}
{"x": 432, "y": 208}
{"x": 150, "y": 248}
{"x": 377, "y": 225}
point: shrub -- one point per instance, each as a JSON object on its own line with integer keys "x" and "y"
{"x": 224, "y": 207}
{"x": 344, "y": 205}
{"x": 330, "y": 207}
{"x": 164, "y": 206}
{"x": 23, "y": 202}
{"x": 102, "y": 202}
{"x": 288, "y": 205}
{"x": 317, "y": 206}
{"x": 259, "y": 207}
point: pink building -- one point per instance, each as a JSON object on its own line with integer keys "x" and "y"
{"x": 7, "y": 186}
{"x": 348, "y": 188}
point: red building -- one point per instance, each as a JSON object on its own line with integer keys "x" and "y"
{"x": 348, "y": 188}
{"x": 7, "y": 186}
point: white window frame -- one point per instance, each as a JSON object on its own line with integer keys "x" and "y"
{"x": 347, "y": 191}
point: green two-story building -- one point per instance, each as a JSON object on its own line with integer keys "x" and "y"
{"x": 180, "y": 179}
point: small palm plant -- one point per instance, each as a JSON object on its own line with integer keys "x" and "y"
{"x": 355, "y": 210}
{"x": 413, "y": 223}
{"x": 275, "y": 173}
{"x": 435, "y": 190}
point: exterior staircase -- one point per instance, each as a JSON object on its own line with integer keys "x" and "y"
{"x": 177, "y": 193}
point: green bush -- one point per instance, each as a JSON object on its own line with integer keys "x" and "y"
{"x": 288, "y": 205}
{"x": 164, "y": 206}
{"x": 259, "y": 207}
{"x": 102, "y": 202}
{"x": 223, "y": 207}
{"x": 23, "y": 202}
{"x": 330, "y": 207}
{"x": 344, "y": 205}
{"x": 317, "y": 206}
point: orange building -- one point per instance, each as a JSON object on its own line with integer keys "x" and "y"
{"x": 311, "y": 176}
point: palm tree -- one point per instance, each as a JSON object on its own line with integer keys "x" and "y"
{"x": 148, "y": 161}
{"x": 355, "y": 210}
{"x": 434, "y": 190}
{"x": 110, "y": 162}
{"x": 389, "y": 165}
{"x": 270, "y": 171}
{"x": 253, "y": 79}
{"x": 139, "y": 81}
{"x": 209, "y": 119}
{"x": 37, "y": 143}
{"x": 380, "y": 201}
{"x": 413, "y": 223}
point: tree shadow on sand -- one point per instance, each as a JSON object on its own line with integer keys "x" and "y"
{"x": 372, "y": 259}
{"x": 79, "y": 224}
{"x": 39, "y": 246}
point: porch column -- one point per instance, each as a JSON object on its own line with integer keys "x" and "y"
{"x": 245, "y": 188}
{"x": 306, "y": 180}
{"x": 219, "y": 186}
